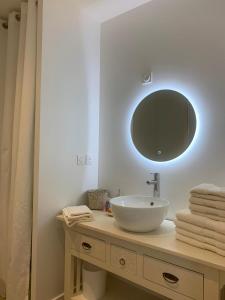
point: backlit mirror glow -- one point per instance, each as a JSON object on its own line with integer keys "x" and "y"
{"x": 163, "y": 125}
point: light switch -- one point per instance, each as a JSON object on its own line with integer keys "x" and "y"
{"x": 88, "y": 160}
{"x": 80, "y": 160}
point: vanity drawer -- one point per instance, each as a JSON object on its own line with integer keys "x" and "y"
{"x": 123, "y": 260}
{"x": 181, "y": 280}
{"x": 93, "y": 247}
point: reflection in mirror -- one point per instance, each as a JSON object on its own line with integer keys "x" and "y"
{"x": 163, "y": 125}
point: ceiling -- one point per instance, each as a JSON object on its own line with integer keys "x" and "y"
{"x": 8, "y": 5}
{"x": 104, "y": 10}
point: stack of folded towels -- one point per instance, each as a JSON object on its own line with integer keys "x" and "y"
{"x": 76, "y": 214}
{"x": 203, "y": 225}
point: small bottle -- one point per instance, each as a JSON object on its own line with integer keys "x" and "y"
{"x": 107, "y": 205}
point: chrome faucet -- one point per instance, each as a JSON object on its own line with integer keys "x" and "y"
{"x": 156, "y": 183}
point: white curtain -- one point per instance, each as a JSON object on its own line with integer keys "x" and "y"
{"x": 16, "y": 152}
{"x": 3, "y": 42}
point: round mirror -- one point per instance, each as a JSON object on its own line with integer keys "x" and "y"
{"x": 163, "y": 125}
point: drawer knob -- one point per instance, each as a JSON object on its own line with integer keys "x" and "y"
{"x": 122, "y": 261}
{"x": 86, "y": 246}
{"x": 170, "y": 278}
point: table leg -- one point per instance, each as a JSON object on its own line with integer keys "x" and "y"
{"x": 69, "y": 270}
{"x": 78, "y": 275}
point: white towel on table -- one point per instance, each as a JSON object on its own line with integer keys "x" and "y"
{"x": 208, "y": 197}
{"x": 209, "y": 216}
{"x": 198, "y": 244}
{"x": 76, "y": 214}
{"x": 201, "y": 238}
{"x": 197, "y": 220}
{"x": 207, "y": 202}
{"x": 207, "y": 210}
{"x": 200, "y": 231}
{"x": 209, "y": 189}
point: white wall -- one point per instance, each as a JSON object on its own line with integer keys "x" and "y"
{"x": 69, "y": 104}
{"x": 182, "y": 43}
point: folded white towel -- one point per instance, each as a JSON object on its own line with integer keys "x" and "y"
{"x": 201, "y": 238}
{"x": 76, "y": 214}
{"x": 71, "y": 211}
{"x": 200, "y": 231}
{"x": 208, "y": 197}
{"x": 207, "y": 202}
{"x": 78, "y": 217}
{"x": 209, "y": 189}
{"x": 204, "y": 222}
{"x": 209, "y": 216}
{"x": 207, "y": 210}
{"x": 198, "y": 244}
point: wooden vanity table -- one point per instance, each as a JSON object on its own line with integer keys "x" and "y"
{"x": 155, "y": 260}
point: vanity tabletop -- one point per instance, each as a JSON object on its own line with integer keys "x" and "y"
{"x": 162, "y": 239}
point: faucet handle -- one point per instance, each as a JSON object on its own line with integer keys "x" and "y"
{"x": 156, "y": 175}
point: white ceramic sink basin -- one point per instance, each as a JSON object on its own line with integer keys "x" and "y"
{"x": 139, "y": 213}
